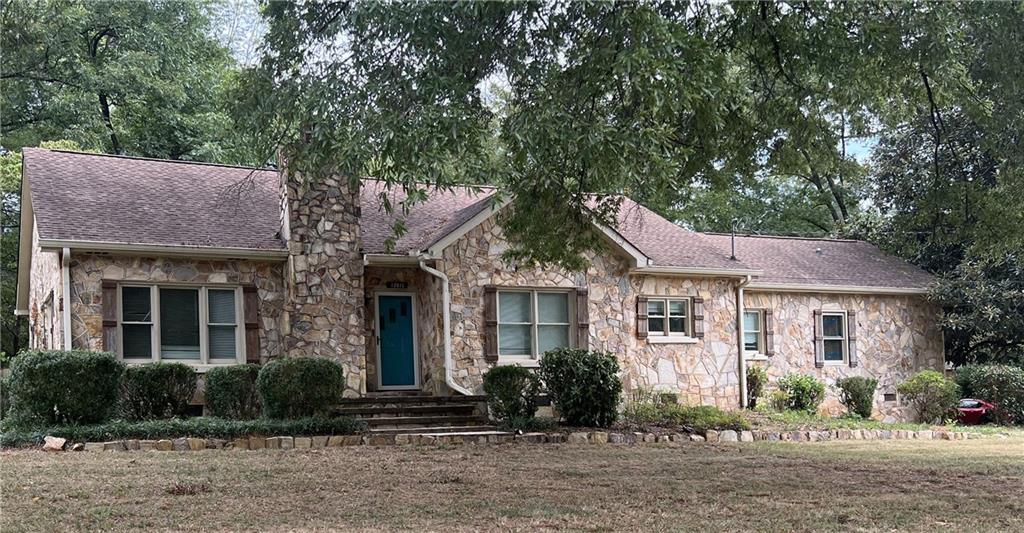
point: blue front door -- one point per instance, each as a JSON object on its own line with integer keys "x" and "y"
{"x": 397, "y": 357}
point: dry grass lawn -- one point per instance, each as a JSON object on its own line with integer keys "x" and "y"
{"x": 904, "y": 485}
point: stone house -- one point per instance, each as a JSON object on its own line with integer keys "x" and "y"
{"x": 213, "y": 265}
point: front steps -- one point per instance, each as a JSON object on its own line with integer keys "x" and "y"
{"x": 420, "y": 414}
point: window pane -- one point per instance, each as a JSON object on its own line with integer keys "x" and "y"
{"x": 751, "y": 321}
{"x": 135, "y": 304}
{"x": 677, "y": 307}
{"x": 515, "y": 307}
{"x": 222, "y": 306}
{"x": 833, "y": 325}
{"x": 515, "y": 340}
{"x": 222, "y": 342}
{"x": 553, "y": 308}
{"x": 750, "y": 341}
{"x": 656, "y": 325}
{"x": 833, "y": 350}
{"x": 179, "y": 324}
{"x": 656, "y": 308}
{"x": 138, "y": 341}
{"x": 551, "y": 337}
{"x": 677, "y": 325}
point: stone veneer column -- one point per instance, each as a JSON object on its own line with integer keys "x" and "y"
{"x": 324, "y": 306}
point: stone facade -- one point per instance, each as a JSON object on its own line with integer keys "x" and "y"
{"x": 45, "y": 298}
{"x": 324, "y": 278}
{"x": 89, "y": 271}
{"x": 897, "y": 336}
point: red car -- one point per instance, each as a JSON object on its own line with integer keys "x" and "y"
{"x": 973, "y": 412}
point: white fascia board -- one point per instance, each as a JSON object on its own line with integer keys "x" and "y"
{"x": 164, "y": 249}
{"x": 640, "y": 260}
{"x": 435, "y": 250}
{"x": 28, "y": 223}
{"x": 843, "y": 289}
{"x": 701, "y": 272}
{"x": 390, "y": 259}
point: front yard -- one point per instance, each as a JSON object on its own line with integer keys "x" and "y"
{"x": 848, "y": 485}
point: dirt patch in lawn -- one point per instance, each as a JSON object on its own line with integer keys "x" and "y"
{"x": 877, "y": 485}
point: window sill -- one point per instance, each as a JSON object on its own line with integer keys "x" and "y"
{"x": 523, "y": 362}
{"x": 671, "y": 339}
{"x": 757, "y": 357}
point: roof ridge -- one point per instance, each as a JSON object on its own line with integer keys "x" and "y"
{"x": 787, "y": 237}
{"x": 156, "y": 159}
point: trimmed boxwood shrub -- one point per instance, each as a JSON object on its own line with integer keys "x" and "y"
{"x": 932, "y": 395}
{"x": 512, "y": 393}
{"x": 757, "y": 378}
{"x": 1002, "y": 385}
{"x": 805, "y": 393}
{"x": 157, "y": 390}
{"x": 64, "y": 387}
{"x": 857, "y": 394}
{"x": 297, "y": 387}
{"x": 230, "y": 392}
{"x": 584, "y": 386}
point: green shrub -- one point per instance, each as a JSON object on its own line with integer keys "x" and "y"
{"x": 511, "y": 393}
{"x": 230, "y": 392}
{"x": 757, "y": 378}
{"x": 299, "y": 387}
{"x": 1002, "y": 385}
{"x": 5, "y": 396}
{"x": 199, "y": 427}
{"x": 933, "y": 396}
{"x": 157, "y": 390}
{"x": 857, "y": 394}
{"x": 778, "y": 400}
{"x": 528, "y": 425}
{"x": 584, "y": 386}
{"x": 805, "y": 393}
{"x": 64, "y": 387}
{"x": 701, "y": 418}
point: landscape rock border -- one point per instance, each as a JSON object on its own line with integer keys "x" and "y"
{"x": 578, "y": 437}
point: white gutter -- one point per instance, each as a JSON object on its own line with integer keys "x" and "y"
{"x": 446, "y": 313}
{"x": 65, "y": 300}
{"x": 840, "y": 289}
{"x": 739, "y": 334}
{"x": 682, "y": 271}
{"x": 166, "y": 249}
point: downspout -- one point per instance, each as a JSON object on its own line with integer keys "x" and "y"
{"x": 65, "y": 301}
{"x": 446, "y": 312}
{"x": 739, "y": 331}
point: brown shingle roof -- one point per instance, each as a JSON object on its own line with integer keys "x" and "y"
{"x": 95, "y": 197}
{"x": 797, "y": 261}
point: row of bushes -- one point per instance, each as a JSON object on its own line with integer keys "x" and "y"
{"x": 82, "y": 387}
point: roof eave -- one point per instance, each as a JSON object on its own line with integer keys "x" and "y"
{"x": 167, "y": 250}
{"x": 696, "y": 271}
{"x": 24, "y": 246}
{"x": 826, "y": 288}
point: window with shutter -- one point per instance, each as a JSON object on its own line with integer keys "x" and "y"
{"x": 851, "y": 319}
{"x": 666, "y": 320}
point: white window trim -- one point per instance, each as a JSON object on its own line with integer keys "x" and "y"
{"x": 533, "y": 359}
{"x": 668, "y": 337}
{"x": 204, "y": 362}
{"x": 844, "y": 338}
{"x": 756, "y": 355}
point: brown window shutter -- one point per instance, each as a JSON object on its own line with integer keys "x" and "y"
{"x": 851, "y": 321}
{"x": 251, "y": 304}
{"x": 698, "y": 318}
{"x": 819, "y": 347}
{"x": 769, "y": 333}
{"x": 110, "y": 314}
{"x": 582, "y": 318}
{"x": 491, "y": 324}
{"x": 641, "y": 317}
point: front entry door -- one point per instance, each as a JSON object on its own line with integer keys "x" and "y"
{"x": 396, "y": 342}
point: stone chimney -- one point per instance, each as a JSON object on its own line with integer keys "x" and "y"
{"x": 324, "y": 277}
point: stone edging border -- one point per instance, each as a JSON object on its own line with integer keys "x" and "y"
{"x": 579, "y": 437}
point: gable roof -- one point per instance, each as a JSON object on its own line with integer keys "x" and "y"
{"x": 110, "y": 202}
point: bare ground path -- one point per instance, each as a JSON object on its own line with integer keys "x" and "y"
{"x": 975, "y": 485}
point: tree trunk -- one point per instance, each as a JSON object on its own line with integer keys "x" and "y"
{"x": 105, "y": 110}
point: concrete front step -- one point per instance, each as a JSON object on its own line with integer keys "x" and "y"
{"x": 373, "y": 411}
{"x": 435, "y": 430}
{"x": 415, "y": 399}
{"x": 425, "y": 421}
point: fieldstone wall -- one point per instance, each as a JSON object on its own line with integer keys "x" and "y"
{"x": 88, "y": 271}
{"x": 896, "y": 337}
{"x": 45, "y": 327}
{"x": 324, "y": 306}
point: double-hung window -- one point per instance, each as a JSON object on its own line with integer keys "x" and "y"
{"x": 197, "y": 325}
{"x": 669, "y": 317}
{"x": 834, "y": 340}
{"x": 753, "y": 331}
{"x": 531, "y": 322}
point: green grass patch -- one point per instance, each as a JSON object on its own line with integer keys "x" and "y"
{"x": 799, "y": 420}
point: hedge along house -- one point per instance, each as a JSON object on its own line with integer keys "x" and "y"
{"x": 214, "y": 265}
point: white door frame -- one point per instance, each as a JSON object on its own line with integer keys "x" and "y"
{"x": 415, "y": 340}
